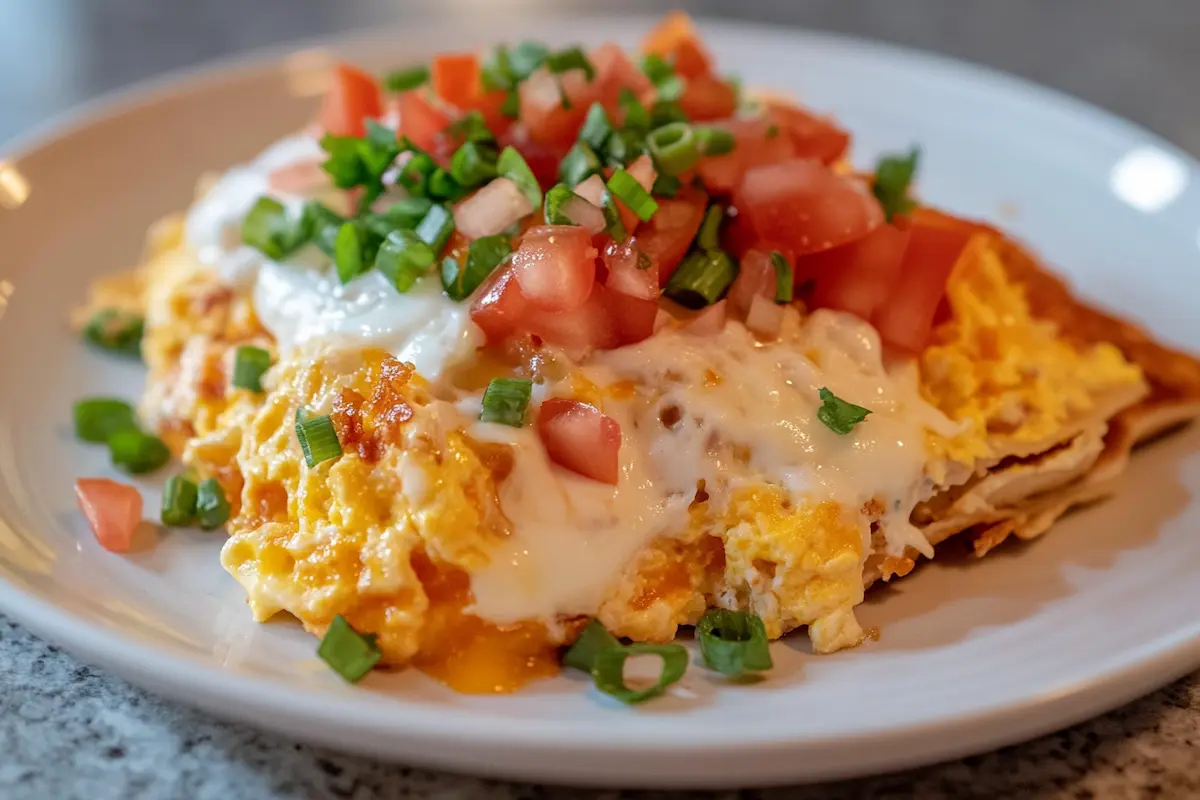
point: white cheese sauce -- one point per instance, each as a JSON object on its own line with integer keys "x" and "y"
{"x": 302, "y": 302}
{"x": 747, "y": 414}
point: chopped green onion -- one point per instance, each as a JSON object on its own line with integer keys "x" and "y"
{"x": 321, "y": 225}
{"x": 666, "y": 186}
{"x": 403, "y": 257}
{"x": 657, "y": 68}
{"x": 626, "y": 188}
{"x": 593, "y": 641}
{"x": 712, "y": 141}
{"x": 634, "y": 115}
{"x": 733, "y": 642}
{"x": 98, "y": 418}
{"x": 350, "y": 250}
{"x": 512, "y": 166}
{"x": 893, "y": 175}
{"x": 783, "y": 277}
{"x": 178, "y": 502}
{"x": 673, "y": 148}
{"x": 416, "y": 172}
{"x": 403, "y": 80}
{"x": 838, "y": 415}
{"x": 596, "y": 128}
{"x": 443, "y": 186}
{"x": 348, "y": 652}
{"x": 268, "y": 228}
{"x": 361, "y": 161}
{"x": 578, "y": 164}
{"x": 664, "y": 112}
{"x": 405, "y": 214}
{"x": 249, "y": 364}
{"x": 624, "y": 147}
{"x": 483, "y": 256}
{"x": 558, "y": 196}
{"x": 772, "y": 131}
{"x": 436, "y": 227}
{"x": 473, "y": 164}
{"x": 613, "y": 225}
{"x": 511, "y": 107}
{"x": 527, "y": 57}
{"x": 212, "y": 509}
{"x": 496, "y": 73}
{"x": 505, "y": 401}
{"x": 118, "y": 332}
{"x": 709, "y": 237}
{"x": 471, "y": 127}
{"x": 569, "y": 59}
{"x": 318, "y": 440}
{"x": 564, "y": 102}
{"x": 701, "y": 279}
{"x": 137, "y": 452}
{"x": 608, "y": 670}
{"x": 343, "y": 164}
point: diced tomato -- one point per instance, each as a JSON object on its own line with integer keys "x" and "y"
{"x": 756, "y": 144}
{"x": 805, "y": 206}
{"x": 614, "y": 72}
{"x": 708, "y": 98}
{"x": 641, "y": 170}
{"x": 299, "y": 177}
{"x": 587, "y": 327}
{"x": 906, "y": 320}
{"x": 859, "y": 277}
{"x": 455, "y": 78}
{"x": 542, "y": 159}
{"x": 629, "y": 271}
{"x": 555, "y": 267}
{"x": 578, "y": 437}
{"x": 425, "y": 123}
{"x": 756, "y": 278}
{"x": 489, "y": 104}
{"x": 669, "y": 233}
{"x": 706, "y": 321}
{"x": 353, "y": 98}
{"x": 811, "y": 136}
{"x": 676, "y": 39}
{"x": 633, "y": 316}
{"x": 499, "y": 308}
{"x": 113, "y": 511}
{"x": 541, "y": 106}
{"x": 738, "y": 236}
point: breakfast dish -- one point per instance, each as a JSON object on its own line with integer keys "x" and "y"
{"x": 520, "y": 354}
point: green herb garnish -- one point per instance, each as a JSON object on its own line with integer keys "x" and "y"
{"x": 838, "y": 415}
{"x": 893, "y": 176}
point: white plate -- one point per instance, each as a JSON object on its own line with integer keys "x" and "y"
{"x": 972, "y": 655}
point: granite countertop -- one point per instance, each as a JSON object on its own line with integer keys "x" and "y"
{"x": 68, "y": 730}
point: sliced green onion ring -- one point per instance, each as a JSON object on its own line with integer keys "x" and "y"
{"x": 701, "y": 279}
{"x": 348, "y": 652}
{"x": 506, "y": 400}
{"x": 137, "y": 452}
{"x": 580, "y": 163}
{"x": 784, "y": 279}
{"x": 403, "y": 258}
{"x": 473, "y": 164}
{"x": 483, "y": 256}
{"x": 350, "y": 250}
{"x": 712, "y": 141}
{"x": 733, "y": 642}
{"x": 436, "y": 227}
{"x": 178, "y": 502}
{"x": 608, "y": 670}
{"x": 627, "y": 189}
{"x": 613, "y": 225}
{"x": 249, "y": 364}
{"x": 596, "y": 128}
{"x": 512, "y": 166}
{"x": 98, "y": 418}
{"x": 318, "y": 440}
{"x": 674, "y": 148}
{"x": 593, "y": 641}
{"x": 212, "y": 509}
{"x": 709, "y": 237}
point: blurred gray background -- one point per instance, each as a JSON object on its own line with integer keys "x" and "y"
{"x": 67, "y": 730}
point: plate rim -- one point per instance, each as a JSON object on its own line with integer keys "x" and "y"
{"x": 266, "y": 704}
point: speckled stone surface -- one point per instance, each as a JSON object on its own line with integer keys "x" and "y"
{"x": 70, "y": 731}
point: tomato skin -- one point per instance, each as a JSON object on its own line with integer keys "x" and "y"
{"x": 425, "y": 123}
{"x": 811, "y": 136}
{"x": 614, "y": 72}
{"x": 113, "y": 511}
{"x": 633, "y": 317}
{"x": 455, "y": 77}
{"x": 669, "y": 233}
{"x": 587, "y": 327}
{"x": 499, "y": 308}
{"x": 542, "y": 159}
{"x": 555, "y": 266}
{"x": 353, "y": 98}
{"x": 756, "y": 144}
{"x": 708, "y": 98}
{"x": 859, "y": 277}
{"x": 578, "y": 437}
{"x": 803, "y": 205}
{"x": 906, "y": 320}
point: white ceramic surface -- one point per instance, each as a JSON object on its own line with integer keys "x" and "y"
{"x": 972, "y": 655}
